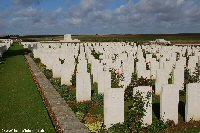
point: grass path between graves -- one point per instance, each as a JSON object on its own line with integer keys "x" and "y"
{"x": 21, "y": 106}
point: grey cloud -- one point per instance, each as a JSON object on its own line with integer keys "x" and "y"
{"x": 27, "y": 2}
{"x": 92, "y": 16}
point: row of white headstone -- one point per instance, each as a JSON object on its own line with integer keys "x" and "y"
{"x": 163, "y": 61}
{"x": 4, "y": 45}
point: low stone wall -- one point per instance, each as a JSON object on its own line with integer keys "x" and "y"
{"x": 61, "y": 114}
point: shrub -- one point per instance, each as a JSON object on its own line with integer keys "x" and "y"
{"x": 116, "y": 77}
{"x": 73, "y": 80}
{"x": 157, "y": 126}
{"x": 119, "y": 128}
{"x": 136, "y": 113}
{"x": 194, "y": 78}
{"x": 37, "y": 60}
{"x": 70, "y": 97}
{"x": 31, "y": 55}
{"x": 98, "y": 98}
{"x": 89, "y": 67}
{"x": 96, "y": 54}
{"x": 83, "y": 106}
{"x": 80, "y": 115}
{"x": 95, "y": 127}
{"x": 137, "y": 82}
{"x": 48, "y": 73}
{"x": 55, "y": 81}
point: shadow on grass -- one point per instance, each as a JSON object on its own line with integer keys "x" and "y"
{"x": 181, "y": 109}
{"x": 15, "y": 50}
{"x": 11, "y": 53}
{"x": 156, "y": 109}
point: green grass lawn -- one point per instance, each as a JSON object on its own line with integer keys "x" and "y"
{"x": 21, "y": 106}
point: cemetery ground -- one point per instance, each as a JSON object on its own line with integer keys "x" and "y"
{"x": 91, "y": 112}
{"x": 21, "y": 106}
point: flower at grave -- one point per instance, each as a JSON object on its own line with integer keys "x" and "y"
{"x": 95, "y": 127}
{"x": 119, "y": 71}
{"x": 80, "y": 115}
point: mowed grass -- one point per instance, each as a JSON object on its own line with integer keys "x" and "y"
{"x": 178, "y": 38}
{"x": 21, "y": 106}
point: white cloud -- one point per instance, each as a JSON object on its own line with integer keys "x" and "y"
{"x": 92, "y": 16}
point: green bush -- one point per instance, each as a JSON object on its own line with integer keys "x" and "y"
{"x": 98, "y": 98}
{"x": 115, "y": 79}
{"x": 31, "y": 55}
{"x": 95, "y": 127}
{"x": 194, "y": 78}
{"x": 157, "y": 126}
{"x": 37, "y": 60}
{"x": 48, "y": 73}
{"x": 134, "y": 83}
{"x": 70, "y": 97}
{"x": 80, "y": 115}
{"x": 55, "y": 81}
{"x": 89, "y": 67}
{"x": 136, "y": 113}
{"x": 83, "y": 106}
{"x": 73, "y": 80}
{"x": 96, "y": 54}
{"x": 119, "y": 128}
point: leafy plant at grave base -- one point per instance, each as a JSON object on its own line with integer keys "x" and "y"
{"x": 89, "y": 67}
{"x": 73, "y": 80}
{"x": 37, "y": 60}
{"x": 48, "y": 73}
{"x": 116, "y": 78}
{"x": 98, "y": 99}
{"x": 194, "y": 78}
{"x": 42, "y": 67}
{"x": 154, "y": 55}
{"x": 31, "y": 55}
{"x": 134, "y": 77}
{"x": 119, "y": 128}
{"x": 147, "y": 67}
{"x": 63, "y": 90}
{"x": 158, "y": 126}
{"x": 136, "y": 113}
{"x": 95, "y": 127}
{"x": 170, "y": 80}
{"x": 136, "y": 82}
{"x": 83, "y": 106}
{"x": 80, "y": 115}
{"x": 70, "y": 97}
{"x": 144, "y": 55}
{"x": 182, "y": 92}
{"x": 187, "y": 76}
{"x": 95, "y": 54}
{"x": 177, "y": 55}
{"x": 55, "y": 82}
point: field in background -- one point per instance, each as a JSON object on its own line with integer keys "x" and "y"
{"x": 193, "y": 38}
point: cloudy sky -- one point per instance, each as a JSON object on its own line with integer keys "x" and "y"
{"x": 99, "y": 16}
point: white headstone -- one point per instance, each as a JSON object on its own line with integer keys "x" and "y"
{"x": 113, "y": 106}
{"x": 192, "y": 108}
{"x": 146, "y": 93}
{"x": 169, "y": 100}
